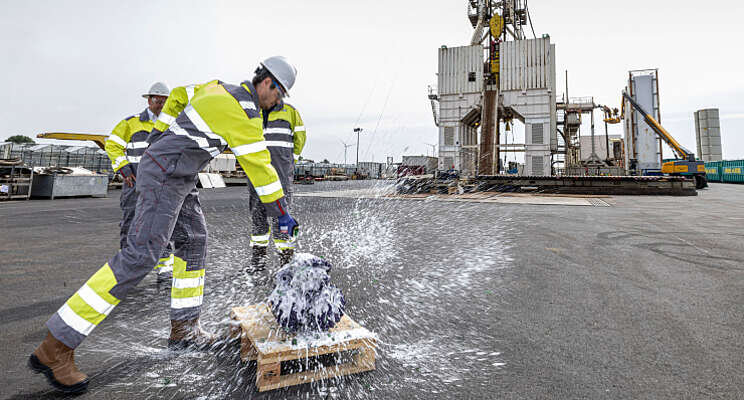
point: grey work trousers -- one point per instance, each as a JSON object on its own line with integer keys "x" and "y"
{"x": 128, "y": 204}
{"x": 167, "y": 207}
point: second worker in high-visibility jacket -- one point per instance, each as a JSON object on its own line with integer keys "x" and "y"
{"x": 125, "y": 146}
{"x": 198, "y": 122}
{"x": 285, "y": 138}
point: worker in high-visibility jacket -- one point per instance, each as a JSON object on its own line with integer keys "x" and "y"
{"x": 285, "y": 138}
{"x": 125, "y": 146}
{"x": 198, "y": 122}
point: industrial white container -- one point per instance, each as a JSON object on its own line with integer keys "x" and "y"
{"x": 537, "y": 163}
{"x": 460, "y": 86}
{"x": 600, "y": 146}
{"x": 526, "y": 64}
{"x": 527, "y": 86}
{"x": 222, "y": 163}
{"x": 708, "y": 135}
{"x": 642, "y": 144}
{"x": 460, "y": 70}
{"x": 429, "y": 163}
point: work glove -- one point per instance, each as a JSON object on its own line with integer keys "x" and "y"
{"x": 288, "y": 225}
{"x": 128, "y": 173}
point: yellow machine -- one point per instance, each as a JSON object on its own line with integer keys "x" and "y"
{"x": 100, "y": 140}
{"x": 496, "y": 25}
{"x": 686, "y": 165}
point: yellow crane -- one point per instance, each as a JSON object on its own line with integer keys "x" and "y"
{"x": 686, "y": 164}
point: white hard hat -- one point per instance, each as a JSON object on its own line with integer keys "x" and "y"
{"x": 282, "y": 70}
{"x": 158, "y": 89}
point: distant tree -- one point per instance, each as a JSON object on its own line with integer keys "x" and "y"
{"x": 20, "y": 139}
{"x": 325, "y": 161}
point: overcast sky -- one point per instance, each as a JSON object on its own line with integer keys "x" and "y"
{"x": 81, "y": 66}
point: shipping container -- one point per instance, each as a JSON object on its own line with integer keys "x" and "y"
{"x": 732, "y": 171}
{"x": 713, "y": 171}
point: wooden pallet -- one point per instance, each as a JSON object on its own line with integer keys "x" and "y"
{"x": 263, "y": 340}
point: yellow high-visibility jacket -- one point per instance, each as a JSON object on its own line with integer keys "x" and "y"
{"x": 127, "y": 141}
{"x": 210, "y": 117}
{"x": 285, "y": 137}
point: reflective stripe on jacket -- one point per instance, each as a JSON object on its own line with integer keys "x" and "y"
{"x": 214, "y": 116}
{"x": 127, "y": 141}
{"x": 285, "y": 138}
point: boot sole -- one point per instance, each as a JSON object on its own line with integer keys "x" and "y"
{"x": 35, "y": 365}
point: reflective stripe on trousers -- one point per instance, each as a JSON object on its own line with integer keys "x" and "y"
{"x": 165, "y": 264}
{"x": 167, "y": 207}
{"x": 260, "y": 240}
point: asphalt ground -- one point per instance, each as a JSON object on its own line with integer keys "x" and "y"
{"x": 642, "y": 299}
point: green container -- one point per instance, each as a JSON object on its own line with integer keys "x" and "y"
{"x": 732, "y": 171}
{"x": 713, "y": 171}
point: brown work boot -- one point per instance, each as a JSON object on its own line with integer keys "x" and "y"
{"x": 189, "y": 334}
{"x": 285, "y": 256}
{"x": 57, "y": 362}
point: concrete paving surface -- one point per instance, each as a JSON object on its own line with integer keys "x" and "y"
{"x": 643, "y": 299}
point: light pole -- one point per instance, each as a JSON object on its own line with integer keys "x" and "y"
{"x": 346, "y": 146}
{"x": 358, "y": 131}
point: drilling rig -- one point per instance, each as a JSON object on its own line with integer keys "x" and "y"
{"x": 500, "y": 76}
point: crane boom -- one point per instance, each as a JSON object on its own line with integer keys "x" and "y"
{"x": 682, "y": 152}
{"x": 688, "y": 165}
{"x": 100, "y": 140}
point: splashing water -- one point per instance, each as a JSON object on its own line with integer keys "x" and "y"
{"x": 419, "y": 275}
{"x": 361, "y": 235}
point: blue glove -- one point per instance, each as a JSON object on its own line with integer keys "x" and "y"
{"x": 288, "y": 225}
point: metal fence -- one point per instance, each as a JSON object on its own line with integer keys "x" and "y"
{"x": 49, "y": 155}
{"x": 323, "y": 169}
{"x": 95, "y": 159}
{"x": 370, "y": 170}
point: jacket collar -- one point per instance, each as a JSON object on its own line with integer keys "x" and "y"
{"x": 252, "y": 92}
{"x": 278, "y": 106}
{"x": 144, "y": 116}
